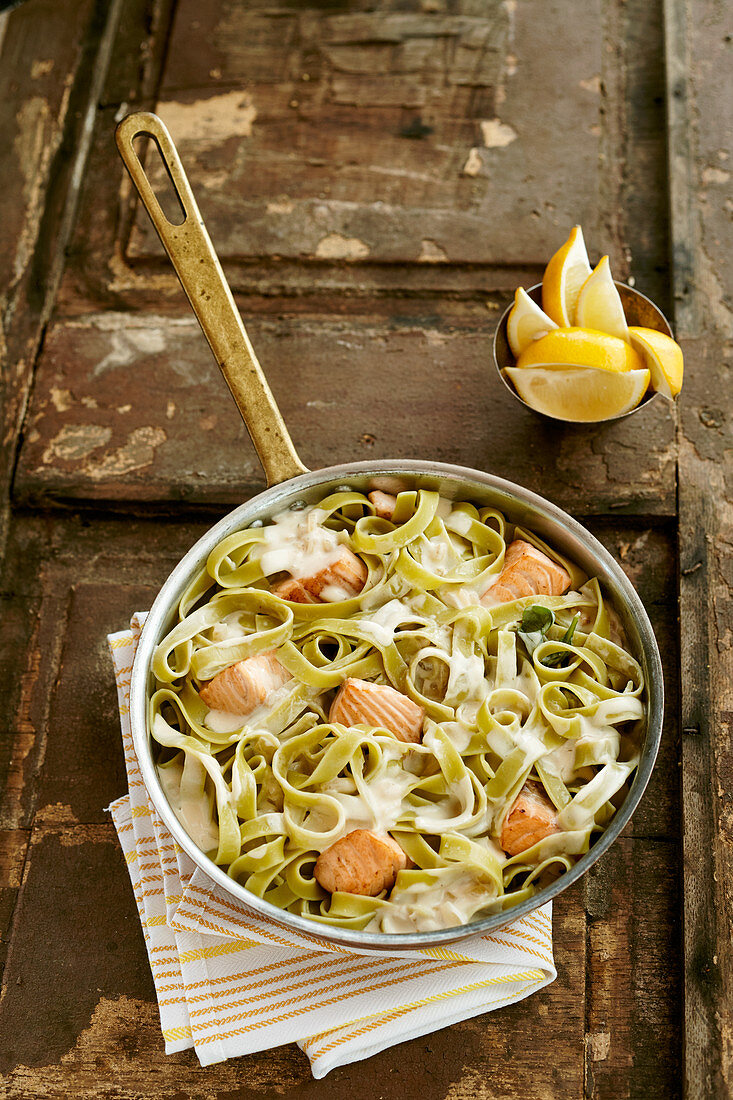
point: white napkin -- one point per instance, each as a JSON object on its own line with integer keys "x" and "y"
{"x": 230, "y": 981}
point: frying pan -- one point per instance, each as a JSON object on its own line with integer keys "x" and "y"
{"x": 289, "y": 482}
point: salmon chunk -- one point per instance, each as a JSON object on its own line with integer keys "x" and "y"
{"x": 384, "y": 503}
{"x": 360, "y": 863}
{"x": 245, "y": 685}
{"x": 359, "y": 702}
{"x": 527, "y": 572}
{"x": 292, "y": 590}
{"x": 531, "y": 818}
{"x": 343, "y": 578}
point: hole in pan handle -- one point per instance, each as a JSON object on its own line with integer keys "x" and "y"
{"x": 192, "y": 254}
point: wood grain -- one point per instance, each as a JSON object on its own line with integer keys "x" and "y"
{"x": 342, "y": 134}
{"x": 118, "y": 400}
{"x": 633, "y": 1005}
{"x": 698, "y": 42}
{"x": 378, "y": 181}
{"x": 43, "y": 65}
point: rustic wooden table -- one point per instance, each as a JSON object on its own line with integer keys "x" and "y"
{"x": 377, "y": 178}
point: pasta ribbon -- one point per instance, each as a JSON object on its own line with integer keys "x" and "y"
{"x": 264, "y": 793}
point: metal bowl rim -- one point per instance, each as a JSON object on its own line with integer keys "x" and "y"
{"x": 379, "y": 941}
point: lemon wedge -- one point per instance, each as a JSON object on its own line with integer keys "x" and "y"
{"x": 599, "y": 303}
{"x": 663, "y": 356}
{"x": 564, "y": 276}
{"x": 579, "y": 394}
{"x": 526, "y": 322}
{"x": 581, "y": 347}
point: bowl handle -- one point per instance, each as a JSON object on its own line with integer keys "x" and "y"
{"x": 192, "y": 254}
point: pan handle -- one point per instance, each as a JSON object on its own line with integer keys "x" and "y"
{"x": 192, "y": 254}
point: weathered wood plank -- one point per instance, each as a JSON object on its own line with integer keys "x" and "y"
{"x": 633, "y": 992}
{"x": 76, "y": 942}
{"x": 13, "y": 849}
{"x": 41, "y": 53}
{"x": 83, "y": 769}
{"x": 706, "y": 610}
{"x": 96, "y": 568}
{"x": 77, "y": 933}
{"x": 637, "y": 156}
{"x": 132, "y": 408}
{"x": 700, "y": 89}
{"x": 400, "y": 136}
{"x": 65, "y": 585}
{"x": 623, "y": 88}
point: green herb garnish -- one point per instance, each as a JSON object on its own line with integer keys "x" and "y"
{"x": 556, "y": 660}
{"x": 536, "y": 621}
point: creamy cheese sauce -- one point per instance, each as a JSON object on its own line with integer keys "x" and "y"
{"x": 193, "y": 813}
{"x": 297, "y": 543}
{"x": 561, "y": 761}
{"x": 467, "y": 679}
{"x": 460, "y": 595}
{"x": 228, "y": 628}
{"x": 423, "y": 907}
{"x": 382, "y": 623}
{"x": 378, "y": 810}
{"x": 459, "y": 734}
{"x": 332, "y": 593}
{"x": 460, "y": 522}
{"x": 439, "y": 556}
{"x": 222, "y": 721}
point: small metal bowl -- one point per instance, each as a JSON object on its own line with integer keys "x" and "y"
{"x": 640, "y": 311}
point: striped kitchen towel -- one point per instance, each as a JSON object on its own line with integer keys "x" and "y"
{"x": 230, "y": 981}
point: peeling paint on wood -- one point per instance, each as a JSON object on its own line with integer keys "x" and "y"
{"x": 213, "y": 120}
{"x": 496, "y": 134}
{"x": 75, "y": 441}
{"x": 337, "y": 247}
{"x": 375, "y": 361}
{"x": 473, "y": 164}
{"x": 380, "y": 128}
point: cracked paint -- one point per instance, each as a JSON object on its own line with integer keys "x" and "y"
{"x": 76, "y": 441}
{"x": 56, "y": 813}
{"x": 33, "y": 148}
{"x": 715, "y": 175}
{"x": 113, "y": 1021}
{"x": 473, "y": 164}
{"x": 283, "y": 207}
{"x": 136, "y": 454}
{"x": 432, "y": 253}
{"x": 41, "y": 68}
{"x": 61, "y": 399}
{"x": 211, "y": 120}
{"x": 497, "y": 134}
{"x": 599, "y": 1045}
{"x": 13, "y": 847}
{"x": 337, "y": 247}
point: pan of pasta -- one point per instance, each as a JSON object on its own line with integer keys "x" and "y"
{"x": 392, "y": 704}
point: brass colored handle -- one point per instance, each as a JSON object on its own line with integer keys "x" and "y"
{"x": 192, "y": 254}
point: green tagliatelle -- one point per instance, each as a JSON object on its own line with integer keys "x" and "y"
{"x": 264, "y": 794}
